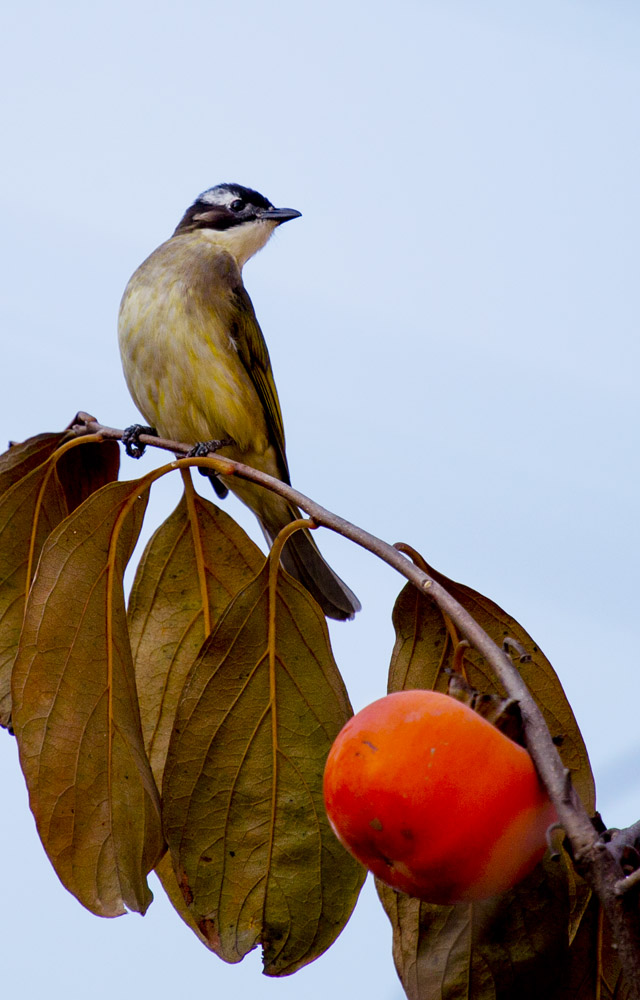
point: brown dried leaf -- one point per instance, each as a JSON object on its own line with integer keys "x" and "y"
{"x": 592, "y": 969}
{"x": 596, "y": 960}
{"x": 84, "y": 469}
{"x": 22, "y": 458}
{"x": 168, "y": 881}
{"x": 516, "y": 946}
{"x": 75, "y": 709}
{"x": 242, "y": 793}
{"x": 424, "y": 650}
{"x": 196, "y": 561}
{"x": 29, "y": 511}
{"x": 34, "y": 498}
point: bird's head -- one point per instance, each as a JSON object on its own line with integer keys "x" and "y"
{"x": 237, "y": 218}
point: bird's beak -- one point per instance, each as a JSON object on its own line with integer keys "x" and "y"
{"x": 280, "y": 215}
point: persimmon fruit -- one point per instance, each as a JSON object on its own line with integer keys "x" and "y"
{"x": 435, "y": 800}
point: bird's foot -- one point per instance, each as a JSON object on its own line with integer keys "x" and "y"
{"x": 131, "y": 439}
{"x": 204, "y": 448}
{"x": 201, "y": 450}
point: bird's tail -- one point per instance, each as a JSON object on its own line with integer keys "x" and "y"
{"x": 302, "y": 559}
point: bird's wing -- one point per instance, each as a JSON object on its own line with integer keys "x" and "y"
{"x": 253, "y": 352}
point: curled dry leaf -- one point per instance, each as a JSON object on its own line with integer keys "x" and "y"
{"x": 76, "y": 714}
{"x": 242, "y": 793}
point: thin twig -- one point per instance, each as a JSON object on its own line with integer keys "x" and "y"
{"x": 626, "y": 884}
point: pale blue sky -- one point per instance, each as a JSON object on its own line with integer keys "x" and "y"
{"x": 452, "y": 324}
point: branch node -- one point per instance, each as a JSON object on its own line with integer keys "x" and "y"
{"x": 607, "y": 835}
{"x": 625, "y": 885}
{"x": 458, "y": 656}
{"x": 81, "y": 419}
{"x": 509, "y": 643}
{"x": 554, "y": 853}
{"x": 416, "y": 558}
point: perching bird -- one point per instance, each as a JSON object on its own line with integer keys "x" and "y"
{"x": 198, "y": 368}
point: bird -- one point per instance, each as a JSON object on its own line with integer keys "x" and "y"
{"x": 197, "y": 365}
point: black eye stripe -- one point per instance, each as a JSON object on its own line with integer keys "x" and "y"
{"x": 240, "y": 206}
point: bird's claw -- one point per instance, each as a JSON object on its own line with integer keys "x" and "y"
{"x": 201, "y": 450}
{"x": 221, "y": 490}
{"x": 131, "y": 439}
{"x": 204, "y": 448}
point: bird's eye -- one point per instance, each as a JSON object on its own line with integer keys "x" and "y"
{"x": 237, "y": 205}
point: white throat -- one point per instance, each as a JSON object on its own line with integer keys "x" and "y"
{"x": 243, "y": 241}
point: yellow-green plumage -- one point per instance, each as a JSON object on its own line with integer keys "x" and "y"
{"x": 197, "y": 367}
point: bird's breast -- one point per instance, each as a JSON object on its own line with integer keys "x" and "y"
{"x": 179, "y": 359}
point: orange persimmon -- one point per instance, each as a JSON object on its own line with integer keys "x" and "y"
{"x": 435, "y": 800}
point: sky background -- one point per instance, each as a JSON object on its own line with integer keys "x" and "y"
{"x": 452, "y": 325}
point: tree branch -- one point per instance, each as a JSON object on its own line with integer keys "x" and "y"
{"x": 598, "y": 864}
